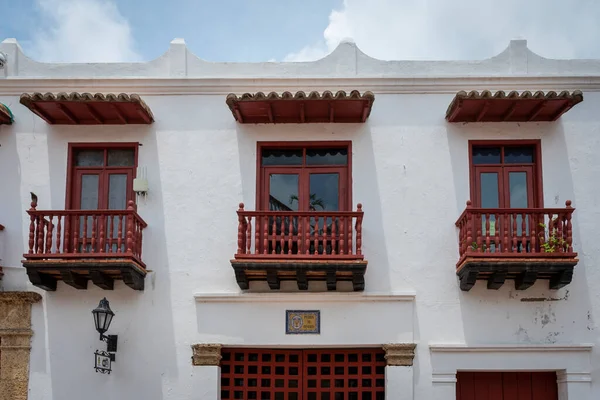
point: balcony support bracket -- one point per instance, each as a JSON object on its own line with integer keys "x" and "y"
{"x": 273, "y": 280}
{"x": 561, "y": 279}
{"x": 468, "y": 279}
{"x": 497, "y": 279}
{"x": 526, "y": 279}
{"x": 302, "y": 280}
{"x": 73, "y": 279}
{"x": 43, "y": 281}
{"x": 133, "y": 279}
{"x": 102, "y": 280}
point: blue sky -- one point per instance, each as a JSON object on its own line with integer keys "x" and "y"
{"x": 298, "y": 30}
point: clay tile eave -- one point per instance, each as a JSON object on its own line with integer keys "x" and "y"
{"x": 89, "y": 109}
{"x": 526, "y": 106}
{"x": 303, "y": 105}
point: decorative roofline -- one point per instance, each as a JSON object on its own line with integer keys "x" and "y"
{"x": 346, "y": 61}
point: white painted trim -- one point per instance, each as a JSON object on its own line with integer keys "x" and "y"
{"x": 301, "y": 297}
{"x": 222, "y": 86}
{"x": 463, "y": 348}
{"x": 443, "y": 377}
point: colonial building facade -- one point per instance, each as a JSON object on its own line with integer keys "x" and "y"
{"x": 347, "y": 228}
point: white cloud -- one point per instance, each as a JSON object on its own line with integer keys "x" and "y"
{"x": 82, "y": 31}
{"x": 461, "y": 29}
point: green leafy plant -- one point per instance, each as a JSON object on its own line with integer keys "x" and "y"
{"x": 550, "y": 241}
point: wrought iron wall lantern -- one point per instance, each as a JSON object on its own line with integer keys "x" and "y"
{"x": 103, "y": 316}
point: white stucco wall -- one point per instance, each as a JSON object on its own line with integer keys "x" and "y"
{"x": 410, "y": 172}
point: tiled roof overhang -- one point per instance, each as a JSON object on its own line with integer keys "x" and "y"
{"x": 6, "y": 116}
{"x": 301, "y": 107}
{"x": 88, "y": 109}
{"x": 511, "y": 107}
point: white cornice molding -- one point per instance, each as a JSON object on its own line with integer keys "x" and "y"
{"x": 463, "y": 348}
{"x": 306, "y": 297}
{"x": 223, "y": 86}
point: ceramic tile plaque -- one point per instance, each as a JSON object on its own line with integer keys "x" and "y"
{"x": 302, "y": 322}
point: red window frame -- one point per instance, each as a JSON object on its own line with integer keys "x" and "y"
{"x": 535, "y": 188}
{"x": 73, "y": 184}
{"x": 262, "y": 172}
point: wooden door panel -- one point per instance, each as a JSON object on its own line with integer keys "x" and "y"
{"x": 506, "y": 386}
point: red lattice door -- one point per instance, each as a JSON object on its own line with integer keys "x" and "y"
{"x": 357, "y": 374}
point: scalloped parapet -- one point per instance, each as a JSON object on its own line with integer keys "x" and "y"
{"x": 347, "y": 60}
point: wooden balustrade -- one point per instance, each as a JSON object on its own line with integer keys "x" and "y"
{"x": 300, "y": 235}
{"x": 516, "y": 232}
{"x": 83, "y": 234}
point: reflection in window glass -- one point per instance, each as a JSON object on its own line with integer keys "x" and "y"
{"x": 282, "y": 157}
{"x": 327, "y": 156}
{"x": 89, "y": 192}
{"x": 117, "y": 192}
{"x": 518, "y": 155}
{"x": 283, "y": 192}
{"x": 89, "y": 158}
{"x": 324, "y": 192}
{"x": 486, "y": 155}
{"x": 121, "y": 158}
{"x": 518, "y": 189}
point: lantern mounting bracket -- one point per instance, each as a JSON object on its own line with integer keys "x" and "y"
{"x": 111, "y": 343}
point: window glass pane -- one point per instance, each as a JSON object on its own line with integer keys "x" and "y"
{"x": 282, "y": 157}
{"x": 518, "y": 189}
{"x": 89, "y": 192}
{"x": 121, "y": 157}
{"x": 489, "y": 190}
{"x": 518, "y": 155}
{"x": 283, "y": 192}
{"x": 327, "y": 156}
{"x": 89, "y": 158}
{"x": 486, "y": 155}
{"x": 324, "y": 192}
{"x": 117, "y": 192}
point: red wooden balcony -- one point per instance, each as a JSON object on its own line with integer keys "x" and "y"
{"x": 78, "y": 245}
{"x": 524, "y": 244}
{"x": 1, "y": 250}
{"x": 300, "y": 246}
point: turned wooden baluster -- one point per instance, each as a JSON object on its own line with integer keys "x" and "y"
{"x": 257, "y": 226}
{"x": 265, "y": 235}
{"x": 85, "y": 230}
{"x": 94, "y": 227}
{"x": 140, "y": 242}
{"x": 306, "y": 234}
{"x": 120, "y": 234}
{"x": 67, "y": 237}
{"x": 300, "y": 237}
{"x": 58, "y": 233}
{"x": 532, "y": 232}
{"x": 334, "y": 222}
{"x": 111, "y": 232}
{"x": 131, "y": 209}
{"x": 273, "y": 235}
{"x": 290, "y": 233}
{"x": 359, "y": 220}
{"x": 514, "y": 232}
{"x": 506, "y": 230}
{"x": 249, "y": 236}
{"x": 560, "y": 218}
{"x": 40, "y": 238}
{"x": 569, "y": 227}
{"x": 487, "y": 233}
{"x": 479, "y": 238}
{"x": 351, "y": 233}
{"x": 282, "y": 238}
{"x": 496, "y": 233}
{"x": 101, "y": 238}
{"x": 241, "y": 231}
{"x": 344, "y": 223}
{"x": 469, "y": 244}
{"x": 316, "y": 236}
{"x": 77, "y": 222}
{"x": 49, "y": 235}
{"x": 523, "y": 233}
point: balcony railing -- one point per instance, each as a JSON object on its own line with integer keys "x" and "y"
{"x": 516, "y": 232}
{"x": 311, "y": 235}
{"x": 85, "y": 234}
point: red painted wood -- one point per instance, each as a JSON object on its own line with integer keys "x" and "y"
{"x": 42, "y": 226}
{"x": 311, "y": 232}
{"x": 302, "y": 374}
{"x": 506, "y": 386}
{"x": 471, "y": 220}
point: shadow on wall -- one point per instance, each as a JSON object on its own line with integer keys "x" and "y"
{"x": 365, "y": 186}
{"x": 146, "y": 357}
{"x": 536, "y": 315}
{"x": 12, "y": 236}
